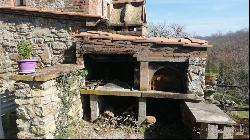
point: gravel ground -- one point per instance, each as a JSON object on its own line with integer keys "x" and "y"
{"x": 159, "y": 131}
{"x": 92, "y": 131}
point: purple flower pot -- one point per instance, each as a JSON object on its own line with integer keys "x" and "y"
{"x": 27, "y": 66}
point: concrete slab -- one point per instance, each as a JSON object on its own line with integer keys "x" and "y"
{"x": 209, "y": 113}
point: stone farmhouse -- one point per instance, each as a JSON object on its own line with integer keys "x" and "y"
{"x": 108, "y": 38}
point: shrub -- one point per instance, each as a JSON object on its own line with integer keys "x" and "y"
{"x": 24, "y": 49}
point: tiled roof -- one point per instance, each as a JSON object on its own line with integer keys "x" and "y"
{"x": 189, "y": 42}
{"x": 28, "y": 9}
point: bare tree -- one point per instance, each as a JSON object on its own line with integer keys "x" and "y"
{"x": 165, "y": 30}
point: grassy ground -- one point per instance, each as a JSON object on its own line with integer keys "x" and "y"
{"x": 240, "y": 114}
{"x": 243, "y": 114}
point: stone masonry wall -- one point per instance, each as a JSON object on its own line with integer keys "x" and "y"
{"x": 52, "y": 40}
{"x": 4, "y": 2}
{"x": 40, "y": 108}
{"x": 93, "y": 7}
{"x": 196, "y": 76}
{"x": 61, "y": 5}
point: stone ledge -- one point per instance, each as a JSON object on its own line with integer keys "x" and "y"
{"x": 208, "y": 113}
{"x": 46, "y": 74}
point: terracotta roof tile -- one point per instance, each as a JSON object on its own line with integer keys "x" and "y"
{"x": 188, "y": 42}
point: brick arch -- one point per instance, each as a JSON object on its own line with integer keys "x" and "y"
{"x": 168, "y": 79}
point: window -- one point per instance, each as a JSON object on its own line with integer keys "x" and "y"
{"x": 20, "y": 2}
{"x": 132, "y": 29}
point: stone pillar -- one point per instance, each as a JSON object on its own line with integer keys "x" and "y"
{"x": 196, "y": 76}
{"x": 212, "y": 131}
{"x": 142, "y": 110}
{"x": 95, "y": 104}
{"x": 228, "y": 132}
{"x": 40, "y": 107}
{"x": 209, "y": 131}
{"x": 144, "y": 76}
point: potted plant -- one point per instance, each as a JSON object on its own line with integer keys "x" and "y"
{"x": 26, "y": 64}
{"x": 211, "y": 78}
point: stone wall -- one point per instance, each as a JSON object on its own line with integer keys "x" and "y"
{"x": 45, "y": 108}
{"x": 4, "y": 2}
{"x": 196, "y": 76}
{"x": 61, "y": 5}
{"x": 93, "y": 7}
{"x": 51, "y": 37}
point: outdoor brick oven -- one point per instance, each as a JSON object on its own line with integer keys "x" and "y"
{"x": 122, "y": 69}
{"x": 171, "y": 65}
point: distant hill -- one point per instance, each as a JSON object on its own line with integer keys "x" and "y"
{"x": 230, "y": 58}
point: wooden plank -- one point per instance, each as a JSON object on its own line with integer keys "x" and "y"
{"x": 111, "y": 93}
{"x": 163, "y": 59}
{"x": 146, "y": 94}
{"x": 171, "y": 95}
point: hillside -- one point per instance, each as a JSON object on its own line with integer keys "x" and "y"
{"x": 230, "y": 59}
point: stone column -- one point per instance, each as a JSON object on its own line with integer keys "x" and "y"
{"x": 37, "y": 110}
{"x": 40, "y": 108}
{"x": 142, "y": 110}
{"x": 212, "y": 131}
{"x": 196, "y": 76}
{"x": 228, "y": 132}
{"x": 95, "y": 106}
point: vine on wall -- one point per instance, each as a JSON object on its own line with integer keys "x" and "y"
{"x": 69, "y": 86}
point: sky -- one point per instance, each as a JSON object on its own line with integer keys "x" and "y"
{"x": 201, "y": 17}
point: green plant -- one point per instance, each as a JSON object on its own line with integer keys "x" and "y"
{"x": 71, "y": 130}
{"x": 24, "y": 49}
{"x": 67, "y": 94}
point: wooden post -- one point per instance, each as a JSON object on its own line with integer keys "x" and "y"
{"x": 144, "y": 76}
